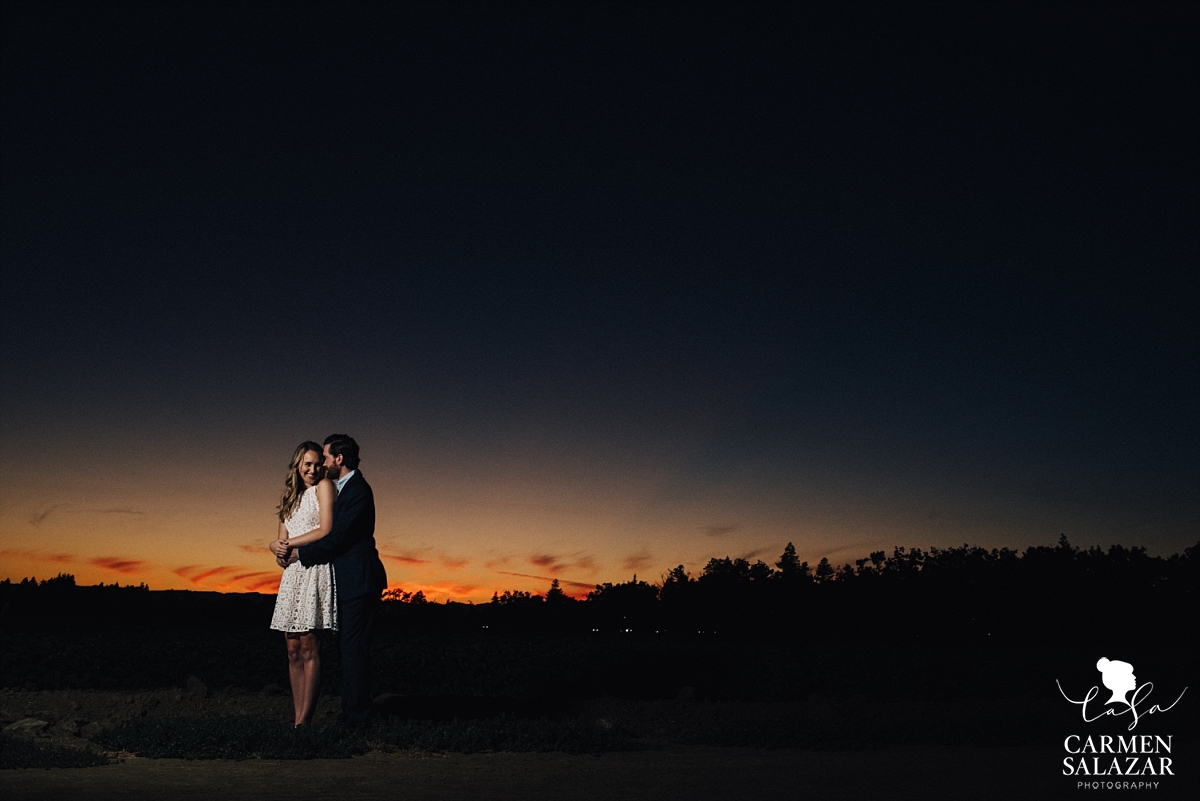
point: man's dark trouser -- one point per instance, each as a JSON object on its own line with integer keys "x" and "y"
{"x": 357, "y": 622}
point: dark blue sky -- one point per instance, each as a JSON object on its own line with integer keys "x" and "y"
{"x": 928, "y": 255}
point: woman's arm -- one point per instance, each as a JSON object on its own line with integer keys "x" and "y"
{"x": 355, "y": 522}
{"x": 279, "y": 546}
{"x": 326, "y": 495}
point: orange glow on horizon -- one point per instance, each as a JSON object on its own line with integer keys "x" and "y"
{"x": 456, "y": 529}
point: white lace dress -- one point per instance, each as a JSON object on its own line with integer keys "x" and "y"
{"x": 307, "y": 597}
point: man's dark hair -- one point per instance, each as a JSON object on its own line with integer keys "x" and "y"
{"x": 344, "y": 445}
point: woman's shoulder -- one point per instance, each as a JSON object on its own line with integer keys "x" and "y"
{"x": 325, "y": 486}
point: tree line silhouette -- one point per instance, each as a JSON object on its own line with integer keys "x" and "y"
{"x": 966, "y": 591}
{"x": 959, "y": 592}
{"x": 937, "y": 623}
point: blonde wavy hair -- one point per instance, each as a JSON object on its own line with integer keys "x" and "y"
{"x": 294, "y": 484}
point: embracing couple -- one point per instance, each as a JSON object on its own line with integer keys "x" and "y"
{"x": 332, "y": 578}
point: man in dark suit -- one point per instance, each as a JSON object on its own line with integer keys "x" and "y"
{"x": 357, "y": 571}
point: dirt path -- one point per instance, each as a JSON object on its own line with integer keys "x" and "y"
{"x": 671, "y": 773}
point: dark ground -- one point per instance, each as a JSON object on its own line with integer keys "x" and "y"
{"x": 936, "y": 701}
{"x": 662, "y": 768}
{"x": 945, "y": 772}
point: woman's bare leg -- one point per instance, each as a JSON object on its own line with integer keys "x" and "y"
{"x": 310, "y": 656}
{"x": 296, "y": 671}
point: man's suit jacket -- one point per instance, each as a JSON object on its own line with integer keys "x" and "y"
{"x": 350, "y": 544}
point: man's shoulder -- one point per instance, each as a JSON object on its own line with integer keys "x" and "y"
{"x": 357, "y": 483}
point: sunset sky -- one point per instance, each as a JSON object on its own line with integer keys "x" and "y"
{"x": 599, "y": 289}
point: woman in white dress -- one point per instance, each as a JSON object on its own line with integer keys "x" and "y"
{"x": 307, "y": 600}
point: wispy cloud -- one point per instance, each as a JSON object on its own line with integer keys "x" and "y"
{"x": 582, "y": 584}
{"x": 637, "y": 560}
{"x": 450, "y": 588}
{"x": 558, "y": 563}
{"x": 255, "y": 581}
{"x": 524, "y": 575}
{"x": 851, "y": 547}
{"x": 257, "y": 573}
{"x": 38, "y": 556}
{"x": 267, "y": 583}
{"x": 718, "y": 531}
{"x": 549, "y": 561}
{"x": 446, "y": 588}
{"x": 185, "y": 571}
{"x": 37, "y": 519}
{"x": 256, "y": 550}
{"x": 453, "y": 562}
{"x": 210, "y": 573}
{"x": 408, "y": 560}
{"x": 116, "y": 563}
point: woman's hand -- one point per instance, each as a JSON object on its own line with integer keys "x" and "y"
{"x": 279, "y": 548}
